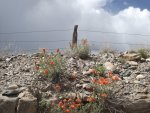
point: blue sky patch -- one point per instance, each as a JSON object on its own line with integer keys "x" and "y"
{"x": 116, "y": 5}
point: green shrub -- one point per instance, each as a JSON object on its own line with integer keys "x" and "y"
{"x": 42, "y": 105}
{"x": 144, "y": 53}
{"x": 107, "y": 50}
{"x": 50, "y": 65}
{"x": 100, "y": 68}
{"x": 82, "y": 50}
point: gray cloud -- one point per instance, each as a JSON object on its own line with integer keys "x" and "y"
{"x": 27, "y": 15}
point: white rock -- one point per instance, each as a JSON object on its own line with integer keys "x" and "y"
{"x": 13, "y": 86}
{"x": 109, "y": 66}
{"x": 138, "y": 77}
{"x": 8, "y": 59}
{"x": 148, "y": 59}
{"x": 90, "y": 71}
{"x": 131, "y": 56}
{"x": 85, "y": 85}
{"x": 137, "y": 82}
{"x": 132, "y": 63}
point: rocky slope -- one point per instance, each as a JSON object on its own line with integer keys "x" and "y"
{"x": 21, "y": 88}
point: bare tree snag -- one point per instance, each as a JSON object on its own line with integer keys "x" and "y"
{"x": 75, "y": 36}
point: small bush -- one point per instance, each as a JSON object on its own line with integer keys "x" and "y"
{"x": 143, "y": 53}
{"x": 107, "y": 50}
{"x": 93, "y": 103}
{"x": 42, "y": 105}
{"x": 82, "y": 50}
{"x": 101, "y": 69}
{"x": 50, "y": 65}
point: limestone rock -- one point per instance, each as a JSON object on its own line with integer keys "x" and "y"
{"x": 131, "y": 56}
{"x": 132, "y": 63}
{"x": 27, "y": 103}
{"x": 13, "y": 86}
{"x": 140, "y": 77}
{"x": 138, "y": 106}
{"x": 8, "y": 104}
{"x": 148, "y": 59}
{"x": 109, "y": 66}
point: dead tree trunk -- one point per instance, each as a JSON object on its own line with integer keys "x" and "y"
{"x": 75, "y": 36}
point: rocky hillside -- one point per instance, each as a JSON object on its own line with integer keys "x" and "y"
{"x": 21, "y": 88}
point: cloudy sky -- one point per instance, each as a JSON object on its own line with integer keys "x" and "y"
{"x": 117, "y": 16}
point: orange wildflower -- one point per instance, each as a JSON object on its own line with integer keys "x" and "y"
{"x": 78, "y": 100}
{"x": 46, "y": 71}
{"x": 67, "y": 111}
{"x": 52, "y": 63}
{"x": 72, "y": 106}
{"x": 104, "y": 95}
{"x": 103, "y": 81}
{"x": 60, "y": 104}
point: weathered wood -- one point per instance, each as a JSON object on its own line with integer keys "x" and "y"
{"x": 75, "y": 36}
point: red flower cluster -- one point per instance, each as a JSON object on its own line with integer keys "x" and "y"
{"x": 45, "y": 72}
{"x": 102, "y": 81}
{"x": 105, "y": 81}
{"x": 52, "y": 63}
{"x": 70, "y": 104}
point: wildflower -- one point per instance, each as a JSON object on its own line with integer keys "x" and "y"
{"x": 72, "y": 106}
{"x": 103, "y": 81}
{"x": 60, "y": 104}
{"x": 78, "y": 100}
{"x": 91, "y": 99}
{"x": 52, "y": 63}
{"x": 46, "y": 72}
{"x": 103, "y": 95}
{"x": 115, "y": 78}
{"x": 67, "y": 111}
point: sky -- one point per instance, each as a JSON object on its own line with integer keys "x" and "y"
{"x": 119, "y": 16}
